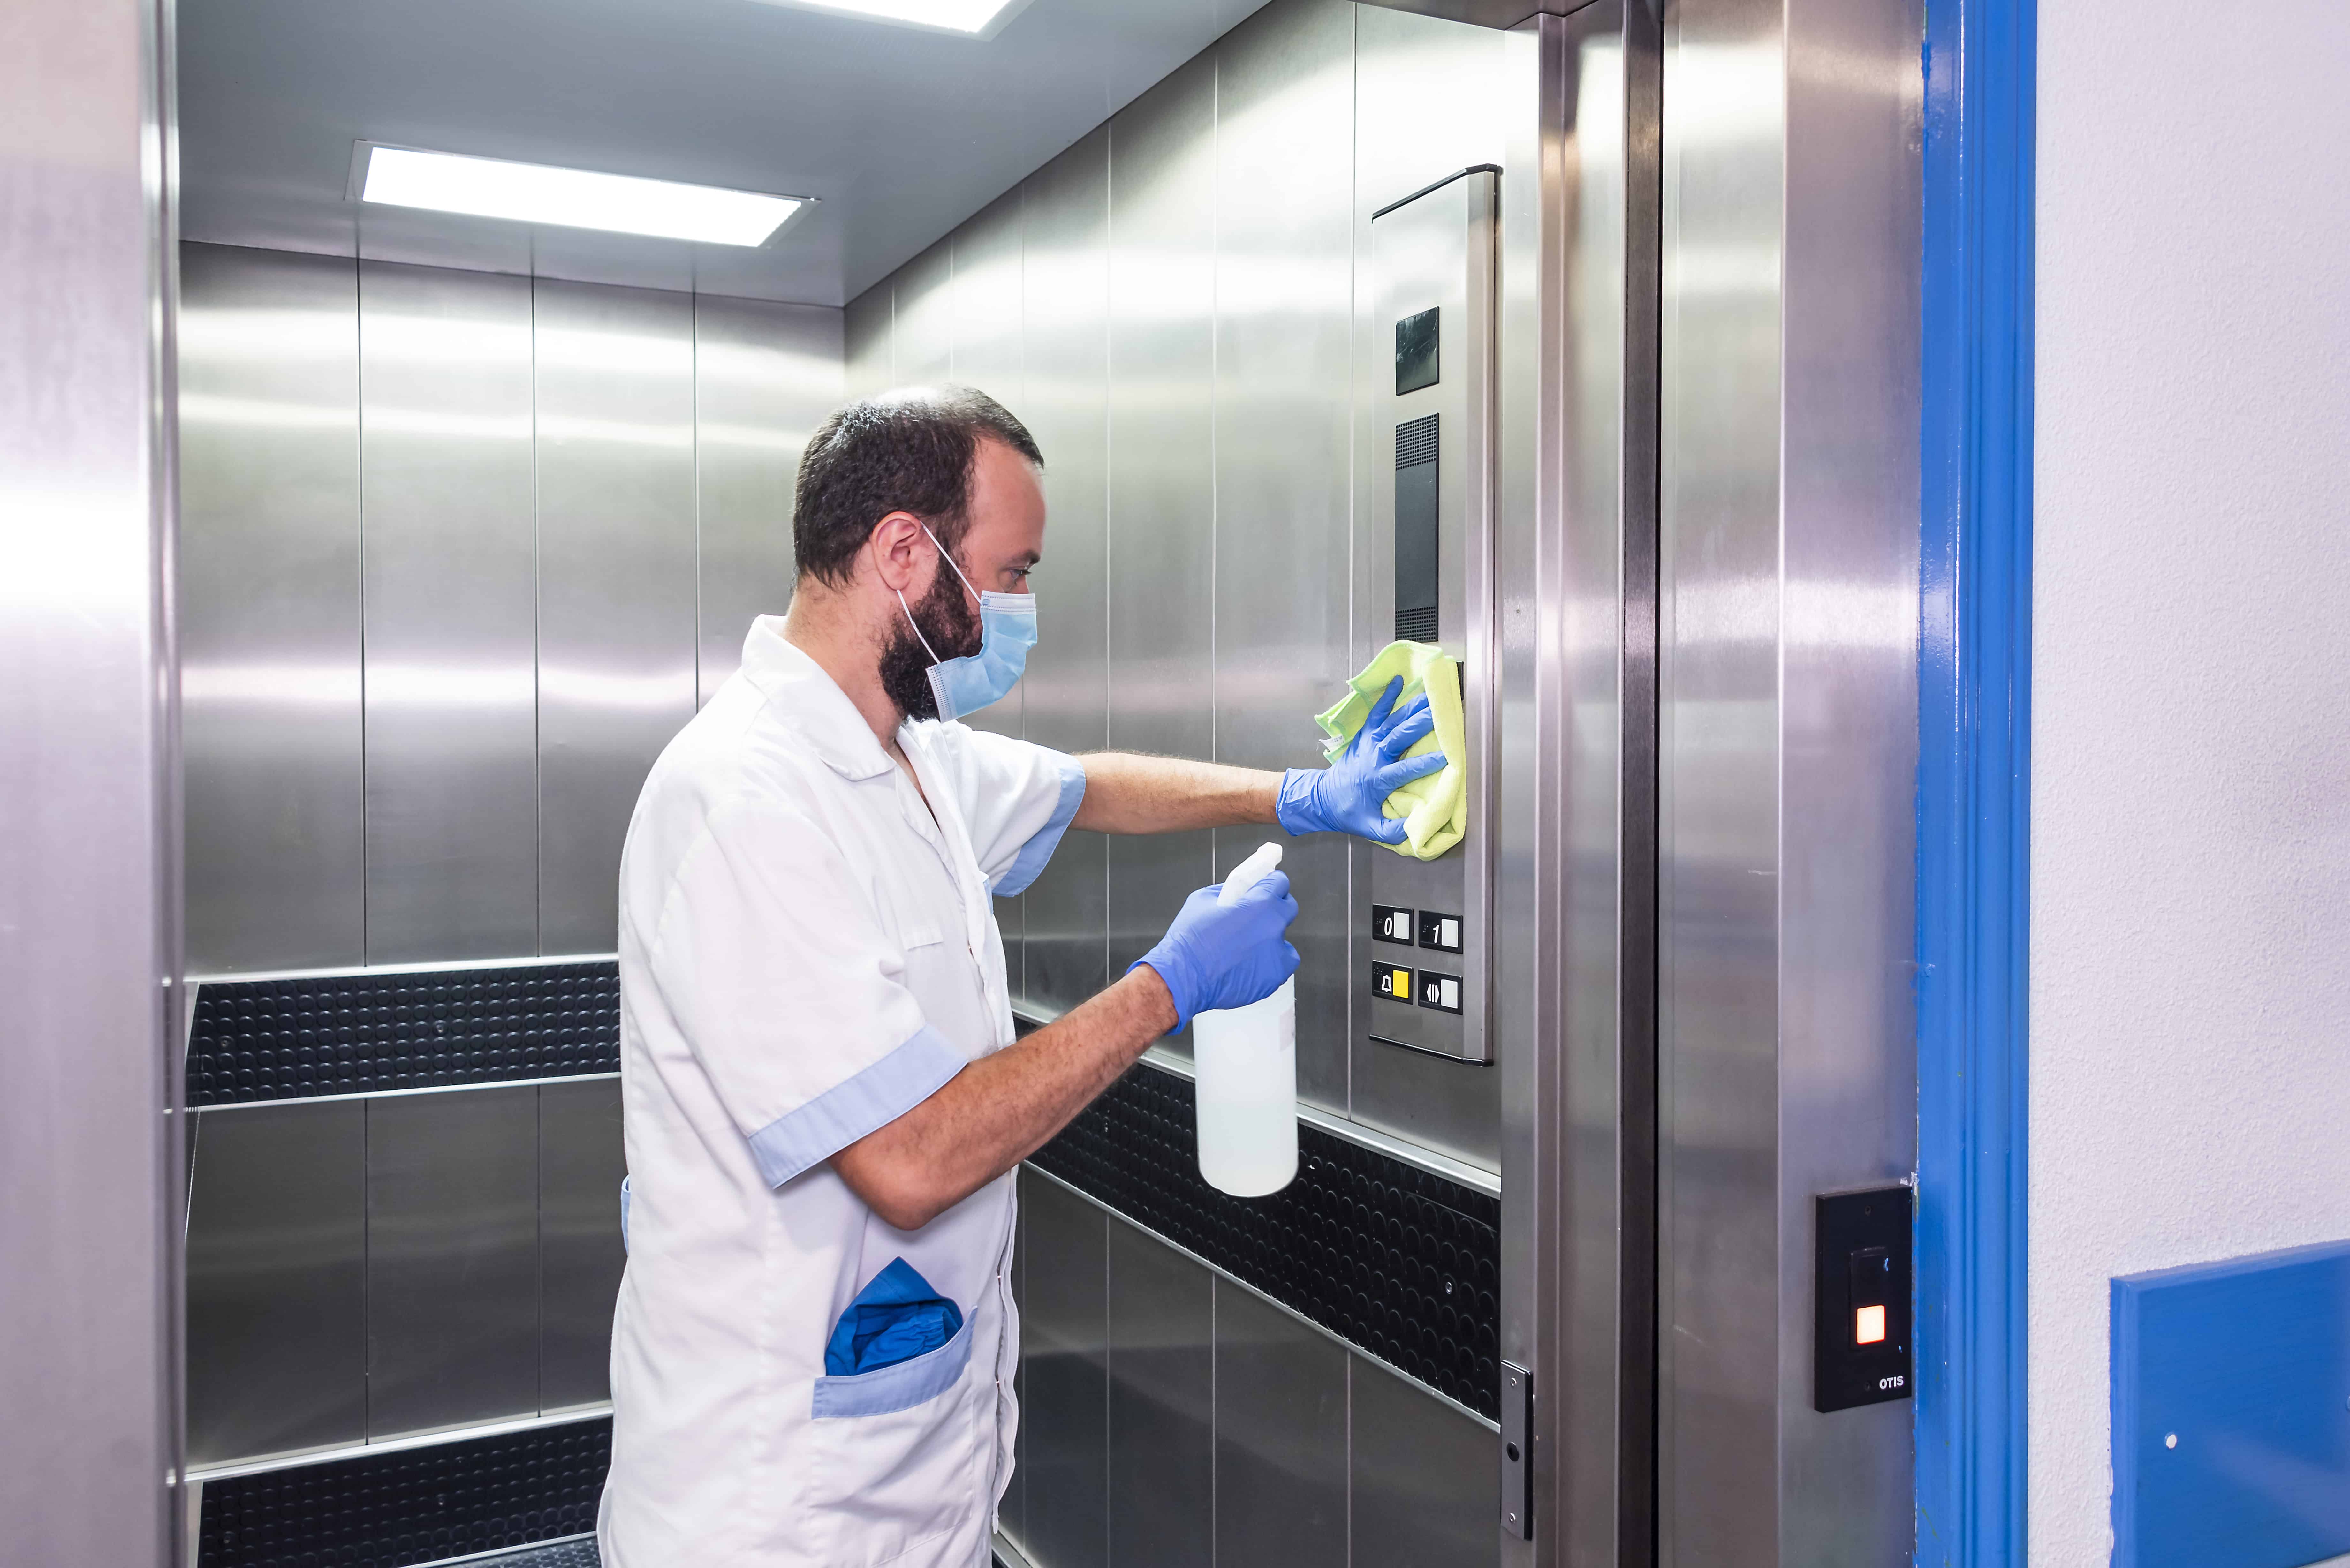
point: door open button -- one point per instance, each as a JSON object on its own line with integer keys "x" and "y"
{"x": 1872, "y": 1273}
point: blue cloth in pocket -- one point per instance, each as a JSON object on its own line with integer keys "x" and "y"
{"x": 896, "y": 1318}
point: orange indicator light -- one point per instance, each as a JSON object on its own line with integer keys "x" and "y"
{"x": 1868, "y": 1325}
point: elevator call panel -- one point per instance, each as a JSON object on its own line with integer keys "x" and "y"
{"x": 1423, "y": 575}
{"x": 1860, "y": 1298}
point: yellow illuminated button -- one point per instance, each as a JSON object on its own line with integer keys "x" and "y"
{"x": 1868, "y": 1325}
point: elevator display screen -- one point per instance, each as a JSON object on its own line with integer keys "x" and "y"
{"x": 1416, "y": 356}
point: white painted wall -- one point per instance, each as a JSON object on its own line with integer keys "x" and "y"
{"x": 2191, "y": 947}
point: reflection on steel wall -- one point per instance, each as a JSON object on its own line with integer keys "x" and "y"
{"x": 763, "y": 373}
{"x": 1065, "y": 382}
{"x": 446, "y": 477}
{"x": 464, "y": 550}
{"x": 1162, "y": 314}
{"x": 269, "y": 609}
{"x": 616, "y": 582}
{"x": 1285, "y": 276}
{"x": 1788, "y": 613}
{"x": 1181, "y": 339}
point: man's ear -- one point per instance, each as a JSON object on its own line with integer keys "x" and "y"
{"x": 902, "y": 554}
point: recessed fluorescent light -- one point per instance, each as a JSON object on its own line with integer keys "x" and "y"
{"x": 979, "y": 18}
{"x": 571, "y": 198}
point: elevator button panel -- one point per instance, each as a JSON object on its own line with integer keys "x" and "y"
{"x": 1439, "y": 931}
{"x": 1860, "y": 1282}
{"x": 1423, "y": 559}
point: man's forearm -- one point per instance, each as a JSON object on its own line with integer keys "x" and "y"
{"x": 1125, "y": 792}
{"x": 999, "y": 1110}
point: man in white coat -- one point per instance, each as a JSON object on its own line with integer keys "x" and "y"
{"x": 813, "y": 1355}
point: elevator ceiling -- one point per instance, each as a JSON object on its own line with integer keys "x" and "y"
{"x": 901, "y": 133}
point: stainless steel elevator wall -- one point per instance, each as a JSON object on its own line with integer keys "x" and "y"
{"x": 1065, "y": 364}
{"x": 1432, "y": 98}
{"x": 447, "y": 479}
{"x": 271, "y": 689}
{"x": 1282, "y": 440}
{"x": 461, "y": 551}
{"x": 1788, "y": 619}
{"x": 366, "y": 1268}
{"x": 1182, "y": 341}
{"x": 1161, "y": 592}
{"x": 277, "y": 1280}
{"x": 1173, "y": 1416}
{"x": 617, "y": 637}
{"x": 1170, "y": 304}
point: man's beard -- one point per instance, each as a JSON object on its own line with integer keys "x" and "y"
{"x": 953, "y": 630}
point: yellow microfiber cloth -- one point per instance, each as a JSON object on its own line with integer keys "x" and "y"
{"x": 1435, "y": 809}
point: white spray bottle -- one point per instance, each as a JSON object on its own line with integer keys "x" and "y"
{"x": 1246, "y": 1058}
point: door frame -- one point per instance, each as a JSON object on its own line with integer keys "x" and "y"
{"x": 1974, "y": 781}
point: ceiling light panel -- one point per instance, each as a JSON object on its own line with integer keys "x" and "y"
{"x": 976, "y": 18}
{"x": 569, "y": 198}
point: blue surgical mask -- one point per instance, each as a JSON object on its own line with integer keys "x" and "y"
{"x": 1007, "y": 630}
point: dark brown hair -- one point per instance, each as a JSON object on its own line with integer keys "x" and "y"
{"x": 907, "y": 450}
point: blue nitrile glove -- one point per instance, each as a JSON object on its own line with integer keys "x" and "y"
{"x": 1347, "y": 796}
{"x": 896, "y": 1318}
{"x": 1226, "y": 955}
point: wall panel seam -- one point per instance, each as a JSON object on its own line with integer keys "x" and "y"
{"x": 1109, "y": 468}
{"x": 1355, "y": 372}
{"x": 1216, "y": 1419}
{"x": 1215, "y": 410}
{"x": 537, "y": 669}
{"x": 366, "y": 1269}
{"x": 359, "y": 488}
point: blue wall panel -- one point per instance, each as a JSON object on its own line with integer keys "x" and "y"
{"x": 2231, "y": 1412}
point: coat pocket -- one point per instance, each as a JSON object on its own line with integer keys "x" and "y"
{"x": 899, "y": 1460}
{"x": 894, "y": 1388}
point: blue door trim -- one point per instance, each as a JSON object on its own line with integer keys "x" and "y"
{"x": 1973, "y": 780}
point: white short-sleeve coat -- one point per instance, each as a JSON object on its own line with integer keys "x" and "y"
{"x": 807, "y": 952}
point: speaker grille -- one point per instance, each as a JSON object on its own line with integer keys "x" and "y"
{"x": 1416, "y": 625}
{"x": 1416, "y": 441}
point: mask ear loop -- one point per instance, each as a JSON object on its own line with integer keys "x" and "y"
{"x": 918, "y": 629}
{"x": 950, "y": 560}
